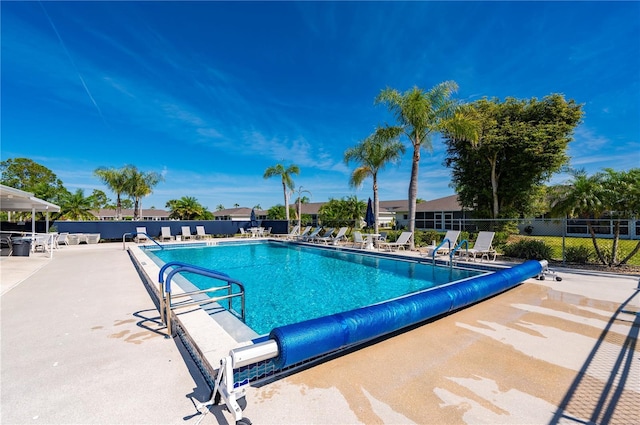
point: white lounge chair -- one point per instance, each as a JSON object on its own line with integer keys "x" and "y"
{"x": 141, "y": 234}
{"x": 291, "y": 234}
{"x": 43, "y": 242}
{"x": 342, "y": 234}
{"x": 73, "y": 239}
{"x": 93, "y": 238}
{"x": 62, "y": 239}
{"x": 165, "y": 234}
{"x": 243, "y": 233}
{"x": 186, "y": 233}
{"x": 482, "y": 247}
{"x": 201, "y": 234}
{"x": 403, "y": 240}
{"x": 450, "y": 239}
{"x": 326, "y": 236}
{"x": 295, "y": 235}
{"x": 358, "y": 240}
{"x": 310, "y": 236}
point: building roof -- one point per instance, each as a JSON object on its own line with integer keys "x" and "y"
{"x": 126, "y": 212}
{"x": 12, "y": 199}
{"x": 238, "y": 212}
{"x": 448, "y": 203}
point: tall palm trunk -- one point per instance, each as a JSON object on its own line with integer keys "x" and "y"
{"x": 286, "y": 200}
{"x": 118, "y": 207}
{"x": 594, "y": 239}
{"x": 376, "y": 204}
{"x": 413, "y": 192}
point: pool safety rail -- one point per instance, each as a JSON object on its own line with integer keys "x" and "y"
{"x": 444, "y": 241}
{"x": 167, "y": 299}
{"x": 457, "y": 248}
{"x": 131, "y": 234}
{"x": 292, "y": 346}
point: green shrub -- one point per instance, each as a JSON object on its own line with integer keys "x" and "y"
{"x": 578, "y": 254}
{"x": 425, "y": 238}
{"x": 500, "y": 239}
{"x": 528, "y": 249}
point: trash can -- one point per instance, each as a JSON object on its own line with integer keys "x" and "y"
{"x": 21, "y": 247}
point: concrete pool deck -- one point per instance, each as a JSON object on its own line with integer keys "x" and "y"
{"x": 82, "y": 343}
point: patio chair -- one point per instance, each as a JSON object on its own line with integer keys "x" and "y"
{"x": 243, "y": 233}
{"x": 402, "y": 241}
{"x": 482, "y": 247}
{"x": 326, "y": 236}
{"x": 93, "y": 238}
{"x": 6, "y": 240}
{"x": 165, "y": 234}
{"x": 342, "y": 234}
{"x": 141, "y": 234}
{"x": 73, "y": 239}
{"x": 310, "y": 236}
{"x": 201, "y": 234}
{"x": 186, "y": 233}
{"x": 42, "y": 242}
{"x": 448, "y": 243}
{"x": 358, "y": 240}
{"x": 294, "y": 233}
{"x": 62, "y": 239}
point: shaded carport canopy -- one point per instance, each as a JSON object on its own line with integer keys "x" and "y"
{"x": 18, "y": 200}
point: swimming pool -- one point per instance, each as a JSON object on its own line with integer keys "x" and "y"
{"x": 289, "y": 283}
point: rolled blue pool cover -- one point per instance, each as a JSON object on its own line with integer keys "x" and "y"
{"x": 312, "y": 338}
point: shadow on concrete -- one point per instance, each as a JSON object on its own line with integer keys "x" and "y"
{"x": 591, "y": 401}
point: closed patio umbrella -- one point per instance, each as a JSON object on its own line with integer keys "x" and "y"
{"x": 369, "y": 218}
{"x": 254, "y": 222}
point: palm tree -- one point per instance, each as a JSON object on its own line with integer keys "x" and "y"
{"x": 590, "y": 197}
{"x": 220, "y": 207}
{"x": 301, "y": 199}
{"x": 419, "y": 115}
{"x": 372, "y": 155}
{"x": 116, "y": 180}
{"x": 139, "y": 185}
{"x": 74, "y": 206}
{"x": 187, "y": 208}
{"x": 342, "y": 212}
{"x": 287, "y": 181}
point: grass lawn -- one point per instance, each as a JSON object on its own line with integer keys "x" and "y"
{"x": 625, "y": 246}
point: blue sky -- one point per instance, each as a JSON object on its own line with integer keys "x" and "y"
{"x": 210, "y": 94}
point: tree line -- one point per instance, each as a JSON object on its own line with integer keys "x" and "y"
{"x": 500, "y": 153}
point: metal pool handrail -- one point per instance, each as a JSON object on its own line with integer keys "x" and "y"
{"x": 165, "y": 290}
{"x": 453, "y": 252}
{"x": 124, "y": 237}
{"x": 433, "y": 255}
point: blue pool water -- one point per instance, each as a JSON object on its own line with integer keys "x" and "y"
{"x": 287, "y": 284}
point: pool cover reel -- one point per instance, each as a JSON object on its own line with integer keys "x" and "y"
{"x": 305, "y": 340}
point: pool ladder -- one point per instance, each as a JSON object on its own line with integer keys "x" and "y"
{"x": 166, "y": 297}
{"x": 452, "y": 252}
